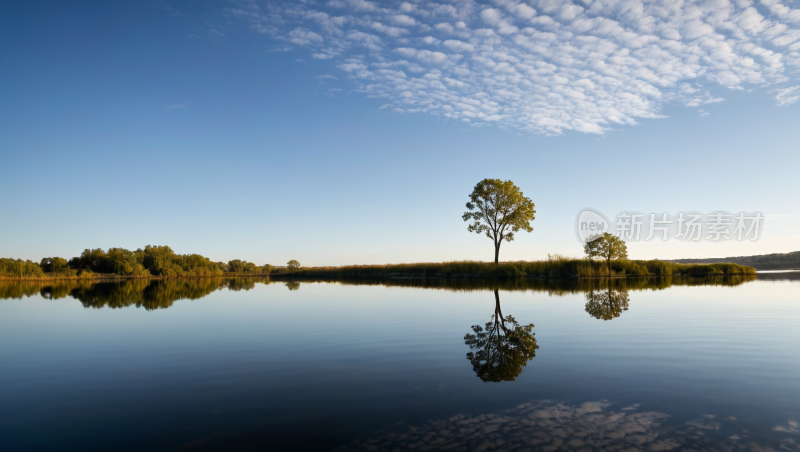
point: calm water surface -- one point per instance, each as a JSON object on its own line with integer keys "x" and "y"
{"x": 658, "y": 364}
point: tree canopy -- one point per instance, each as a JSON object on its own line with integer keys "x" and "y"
{"x": 240, "y": 266}
{"x": 293, "y": 265}
{"x": 152, "y": 260}
{"x": 56, "y": 266}
{"x": 498, "y": 209}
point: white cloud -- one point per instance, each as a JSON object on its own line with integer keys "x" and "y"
{"x": 403, "y": 20}
{"x": 547, "y": 66}
{"x": 698, "y": 101}
{"x": 391, "y": 31}
{"x": 372, "y": 42}
{"x": 176, "y": 106}
{"x": 303, "y": 37}
{"x": 787, "y": 96}
{"x": 459, "y": 46}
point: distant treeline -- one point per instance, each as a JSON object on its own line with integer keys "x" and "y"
{"x": 152, "y": 261}
{"x": 555, "y": 267}
{"x": 777, "y": 261}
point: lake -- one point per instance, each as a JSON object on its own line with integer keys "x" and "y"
{"x": 407, "y": 364}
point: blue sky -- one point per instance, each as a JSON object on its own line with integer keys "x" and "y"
{"x": 349, "y": 132}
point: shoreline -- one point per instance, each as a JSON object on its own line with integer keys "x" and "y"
{"x": 335, "y": 277}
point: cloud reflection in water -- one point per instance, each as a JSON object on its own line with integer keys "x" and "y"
{"x": 549, "y": 426}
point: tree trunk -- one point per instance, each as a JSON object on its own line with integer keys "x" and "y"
{"x": 608, "y": 267}
{"x": 496, "y": 253}
{"x": 498, "y": 311}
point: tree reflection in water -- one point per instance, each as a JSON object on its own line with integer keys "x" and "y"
{"x": 502, "y": 348}
{"x": 293, "y": 285}
{"x": 607, "y": 304}
{"x": 142, "y": 293}
{"x": 160, "y": 294}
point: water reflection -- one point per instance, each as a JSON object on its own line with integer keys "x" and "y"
{"x": 607, "y": 304}
{"x": 141, "y": 293}
{"x": 548, "y": 426}
{"x": 293, "y": 285}
{"x": 502, "y": 348}
{"x": 554, "y": 287}
{"x": 161, "y": 294}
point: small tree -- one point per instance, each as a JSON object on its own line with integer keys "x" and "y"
{"x": 498, "y": 210}
{"x": 606, "y": 246}
{"x": 293, "y": 265}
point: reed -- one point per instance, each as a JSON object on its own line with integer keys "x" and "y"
{"x": 554, "y": 268}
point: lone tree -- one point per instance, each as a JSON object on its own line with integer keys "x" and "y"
{"x": 606, "y": 246}
{"x": 498, "y": 210}
{"x": 292, "y": 265}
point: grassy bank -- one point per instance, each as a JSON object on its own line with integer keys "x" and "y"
{"x": 556, "y": 268}
{"x": 553, "y": 268}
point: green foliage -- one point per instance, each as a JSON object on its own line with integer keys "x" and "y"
{"x": 239, "y": 266}
{"x": 94, "y": 260}
{"x": 17, "y": 268}
{"x": 142, "y": 263}
{"x": 661, "y": 268}
{"x": 195, "y": 266}
{"x": 293, "y": 265}
{"x": 57, "y": 266}
{"x": 117, "y": 261}
{"x": 498, "y": 210}
{"x": 556, "y": 268}
{"x": 236, "y": 266}
{"x": 126, "y": 263}
{"x": 162, "y": 261}
{"x": 159, "y": 261}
